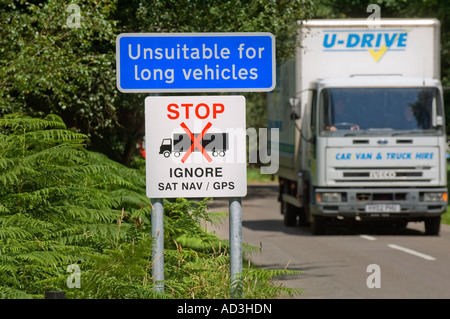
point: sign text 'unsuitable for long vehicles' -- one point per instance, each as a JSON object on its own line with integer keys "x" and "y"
{"x": 195, "y": 62}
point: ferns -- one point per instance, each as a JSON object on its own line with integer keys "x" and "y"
{"x": 55, "y": 204}
{"x": 61, "y": 205}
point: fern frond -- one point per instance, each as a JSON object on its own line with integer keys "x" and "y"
{"x": 20, "y": 123}
{"x": 15, "y": 174}
{"x": 14, "y": 232}
{"x": 12, "y": 293}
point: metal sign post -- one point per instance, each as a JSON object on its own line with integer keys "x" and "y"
{"x": 236, "y": 247}
{"x": 157, "y": 221}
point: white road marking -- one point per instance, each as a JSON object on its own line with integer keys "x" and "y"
{"x": 412, "y": 252}
{"x": 367, "y": 237}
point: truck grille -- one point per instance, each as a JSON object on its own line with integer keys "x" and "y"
{"x": 374, "y": 197}
{"x": 382, "y": 175}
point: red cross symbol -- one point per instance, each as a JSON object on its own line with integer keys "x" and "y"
{"x": 196, "y": 142}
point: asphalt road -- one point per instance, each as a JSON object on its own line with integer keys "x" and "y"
{"x": 359, "y": 262}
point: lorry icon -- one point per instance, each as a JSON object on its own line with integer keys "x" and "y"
{"x": 217, "y": 143}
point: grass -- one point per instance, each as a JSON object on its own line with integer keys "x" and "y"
{"x": 254, "y": 176}
{"x": 446, "y": 217}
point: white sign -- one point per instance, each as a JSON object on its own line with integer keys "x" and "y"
{"x": 195, "y": 146}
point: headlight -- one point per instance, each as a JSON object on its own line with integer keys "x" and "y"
{"x": 435, "y": 197}
{"x": 329, "y": 197}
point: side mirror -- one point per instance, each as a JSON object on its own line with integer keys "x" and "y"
{"x": 295, "y": 108}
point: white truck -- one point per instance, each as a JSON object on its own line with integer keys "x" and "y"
{"x": 361, "y": 125}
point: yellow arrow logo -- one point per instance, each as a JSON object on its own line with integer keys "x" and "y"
{"x": 376, "y": 55}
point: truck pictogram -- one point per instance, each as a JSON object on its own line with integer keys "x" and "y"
{"x": 216, "y": 143}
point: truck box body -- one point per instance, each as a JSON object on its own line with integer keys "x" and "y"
{"x": 360, "y": 118}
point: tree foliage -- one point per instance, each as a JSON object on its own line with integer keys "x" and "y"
{"x": 400, "y": 9}
{"x": 48, "y": 66}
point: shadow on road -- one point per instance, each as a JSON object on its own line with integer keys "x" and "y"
{"x": 256, "y": 192}
{"x": 337, "y": 228}
{"x": 306, "y": 268}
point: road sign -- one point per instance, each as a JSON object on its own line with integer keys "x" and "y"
{"x": 195, "y": 146}
{"x": 195, "y": 62}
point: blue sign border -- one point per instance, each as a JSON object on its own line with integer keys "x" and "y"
{"x": 228, "y": 52}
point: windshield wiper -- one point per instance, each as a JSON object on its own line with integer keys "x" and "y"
{"x": 368, "y": 132}
{"x": 414, "y": 132}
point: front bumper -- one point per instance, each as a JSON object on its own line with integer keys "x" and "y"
{"x": 409, "y": 203}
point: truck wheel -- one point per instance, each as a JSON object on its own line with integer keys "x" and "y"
{"x": 313, "y": 221}
{"x": 318, "y": 225}
{"x": 166, "y": 154}
{"x": 433, "y": 225}
{"x": 401, "y": 224}
{"x": 289, "y": 213}
{"x": 302, "y": 217}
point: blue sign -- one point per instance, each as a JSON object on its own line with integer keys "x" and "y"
{"x": 195, "y": 62}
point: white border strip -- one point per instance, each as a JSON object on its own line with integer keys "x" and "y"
{"x": 367, "y": 237}
{"x": 412, "y": 252}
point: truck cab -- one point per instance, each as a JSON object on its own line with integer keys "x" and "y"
{"x": 374, "y": 150}
{"x": 166, "y": 147}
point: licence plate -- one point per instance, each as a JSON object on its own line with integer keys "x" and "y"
{"x": 382, "y": 208}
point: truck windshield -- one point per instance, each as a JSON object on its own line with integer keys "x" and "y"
{"x": 354, "y": 111}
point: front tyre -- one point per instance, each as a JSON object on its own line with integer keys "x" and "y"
{"x": 289, "y": 213}
{"x": 433, "y": 225}
{"x": 318, "y": 225}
